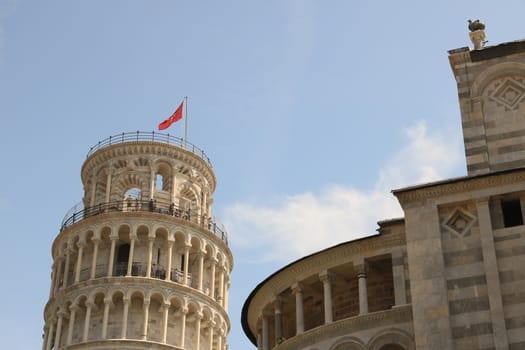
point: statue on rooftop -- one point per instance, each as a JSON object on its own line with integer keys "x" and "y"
{"x": 477, "y": 33}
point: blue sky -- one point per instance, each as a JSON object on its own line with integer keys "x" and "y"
{"x": 311, "y": 112}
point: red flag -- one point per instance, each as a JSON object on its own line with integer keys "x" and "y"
{"x": 174, "y": 117}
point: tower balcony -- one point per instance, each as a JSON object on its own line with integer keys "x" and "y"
{"x": 134, "y": 206}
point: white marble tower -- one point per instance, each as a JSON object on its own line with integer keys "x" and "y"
{"x": 140, "y": 263}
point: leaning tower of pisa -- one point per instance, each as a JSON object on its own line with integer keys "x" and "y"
{"x": 140, "y": 262}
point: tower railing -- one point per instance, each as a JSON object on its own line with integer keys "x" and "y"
{"x": 79, "y": 213}
{"x": 141, "y": 136}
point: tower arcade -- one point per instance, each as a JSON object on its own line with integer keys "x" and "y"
{"x": 141, "y": 263}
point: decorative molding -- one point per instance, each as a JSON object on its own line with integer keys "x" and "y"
{"x": 376, "y": 320}
{"x": 461, "y": 185}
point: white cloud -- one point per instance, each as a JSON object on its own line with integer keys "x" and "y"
{"x": 304, "y": 223}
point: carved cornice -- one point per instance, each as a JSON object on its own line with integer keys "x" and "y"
{"x": 376, "y": 320}
{"x": 459, "y": 185}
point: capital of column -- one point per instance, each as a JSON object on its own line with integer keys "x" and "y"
{"x": 297, "y": 288}
{"x": 145, "y": 303}
{"x": 74, "y": 307}
{"x": 325, "y": 275}
{"x": 81, "y": 244}
{"x": 164, "y": 306}
{"x": 108, "y": 301}
{"x": 126, "y": 300}
{"x": 183, "y": 311}
{"x": 360, "y": 270}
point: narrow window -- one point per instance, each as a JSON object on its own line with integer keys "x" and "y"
{"x": 511, "y": 212}
{"x": 182, "y": 262}
{"x": 159, "y": 182}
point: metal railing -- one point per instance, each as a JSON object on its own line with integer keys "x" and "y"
{"x": 79, "y": 213}
{"x": 140, "y": 136}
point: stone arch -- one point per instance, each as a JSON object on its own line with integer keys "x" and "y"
{"x": 126, "y": 181}
{"x": 391, "y": 339}
{"x": 493, "y": 72}
{"x": 164, "y": 169}
{"x": 348, "y": 343}
{"x": 189, "y": 198}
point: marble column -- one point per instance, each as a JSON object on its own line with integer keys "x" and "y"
{"x": 87, "y": 320}
{"x": 183, "y": 313}
{"x": 59, "y": 273}
{"x": 126, "y": 301}
{"x": 299, "y": 311}
{"x": 58, "y": 334}
{"x": 211, "y": 326}
{"x": 130, "y": 256}
{"x": 198, "y": 319}
{"x": 107, "y": 304}
{"x": 111, "y": 255}
{"x": 96, "y": 242}
{"x": 165, "y": 309}
{"x": 201, "y": 270}
{"x": 186, "y": 264}
{"x": 278, "y": 316}
{"x": 78, "y": 267}
{"x": 150, "y": 256}
{"x": 170, "y": 260}
{"x": 145, "y": 308}
{"x": 66, "y": 267}
{"x": 363, "y": 293}
{"x": 325, "y": 278}
{"x": 72, "y": 315}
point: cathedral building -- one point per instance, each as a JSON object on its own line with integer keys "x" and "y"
{"x": 450, "y": 274}
{"x": 140, "y": 263}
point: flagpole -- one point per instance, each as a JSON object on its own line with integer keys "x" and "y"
{"x": 186, "y": 123}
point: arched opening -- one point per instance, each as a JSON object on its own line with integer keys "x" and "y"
{"x": 132, "y": 199}
{"x": 121, "y": 266}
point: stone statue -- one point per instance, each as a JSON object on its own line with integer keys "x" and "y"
{"x": 477, "y": 33}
